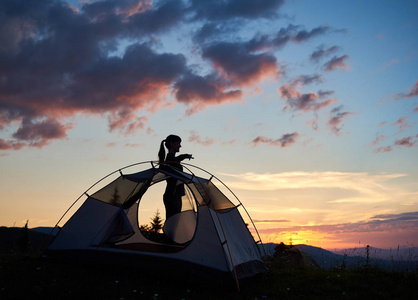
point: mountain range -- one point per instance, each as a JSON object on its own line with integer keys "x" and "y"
{"x": 399, "y": 259}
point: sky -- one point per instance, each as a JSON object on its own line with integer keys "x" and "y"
{"x": 307, "y": 110}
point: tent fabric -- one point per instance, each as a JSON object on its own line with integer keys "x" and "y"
{"x": 212, "y": 234}
{"x": 180, "y": 228}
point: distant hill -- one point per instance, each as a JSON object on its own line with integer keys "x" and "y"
{"x": 46, "y": 230}
{"x": 398, "y": 260}
{"x": 14, "y": 239}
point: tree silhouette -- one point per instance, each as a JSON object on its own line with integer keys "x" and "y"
{"x": 115, "y": 200}
{"x": 145, "y": 227}
{"x": 156, "y": 222}
{"x": 23, "y": 242}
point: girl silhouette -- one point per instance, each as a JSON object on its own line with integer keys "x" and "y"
{"x": 175, "y": 189}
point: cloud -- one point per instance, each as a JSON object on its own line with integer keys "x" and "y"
{"x": 336, "y": 119}
{"x": 304, "y": 102}
{"x": 321, "y": 53}
{"x": 413, "y": 216}
{"x": 126, "y": 121}
{"x": 40, "y": 133}
{"x": 11, "y": 145}
{"x": 271, "y": 221}
{"x": 412, "y": 93}
{"x": 285, "y": 141}
{"x": 402, "y": 123}
{"x": 335, "y": 63}
{"x": 199, "y": 91}
{"x": 379, "y": 138}
{"x": 225, "y": 10}
{"x": 373, "y": 186}
{"x": 409, "y": 141}
{"x": 238, "y": 65}
{"x": 378, "y": 223}
{"x": 59, "y": 64}
{"x": 292, "y": 33}
{"x": 383, "y": 149}
{"x": 195, "y": 138}
{"x": 108, "y": 58}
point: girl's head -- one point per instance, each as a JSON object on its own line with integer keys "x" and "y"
{"x": 172, "y": 142}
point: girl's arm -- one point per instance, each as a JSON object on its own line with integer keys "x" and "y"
{"x": 183, "y": 157}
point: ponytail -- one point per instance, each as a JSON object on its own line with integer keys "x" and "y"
{"x": 171, "y": 138}
{"x": 161, "y": 153}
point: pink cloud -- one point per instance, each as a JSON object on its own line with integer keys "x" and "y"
{"x": 336, "y": 63}
{"x": 378, "y": 139}
{"x": 383, "y": 149}
{"x": 285, "y": 141}
{"x": 198, "y": 92}
{"x": 231, "y": 142}
{"x": 11, "y": 145}
{"x": 305, "y": 102}
{"x": 197, "y": 139}
{"x": 406, "y": 141}
{"x": 39, "y": 134}
{"x": 412, "y": 93}
{"x": 238, "y": 65}
{"x": 386, "y": 228}
{"x": 402, "y": 122}
{"x": 126, "y": 121}
{"x": 81, "y": 65}
{"x": 132, "y": 145}
{"x": 337, "y": 118}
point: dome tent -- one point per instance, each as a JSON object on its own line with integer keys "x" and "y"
{"x": 208, "y": 233}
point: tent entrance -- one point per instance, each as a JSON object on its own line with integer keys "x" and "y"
{"x": 152, "y": 221}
